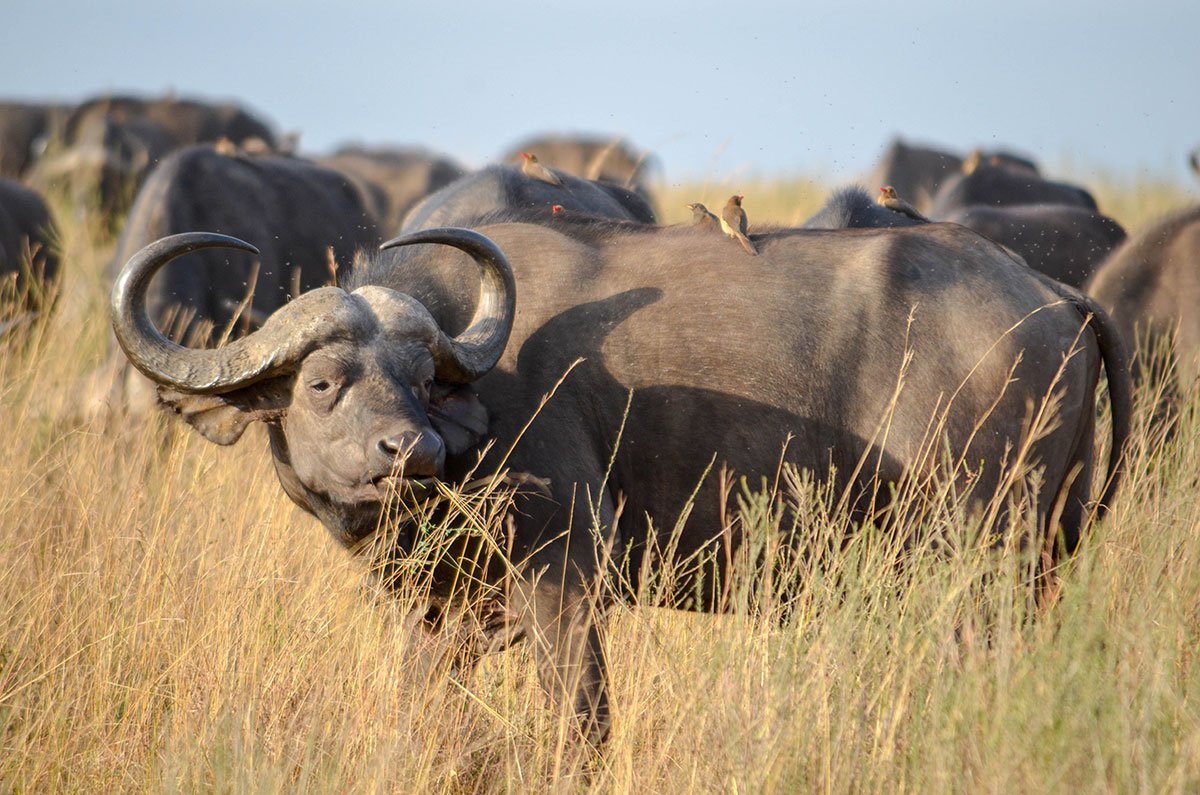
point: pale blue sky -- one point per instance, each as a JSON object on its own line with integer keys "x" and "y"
{"x": 713, "y": 88}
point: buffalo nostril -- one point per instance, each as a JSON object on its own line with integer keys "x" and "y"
{"x": 416, "y": 454}
{"x": 399, "y": 444}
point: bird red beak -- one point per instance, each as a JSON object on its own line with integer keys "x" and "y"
{"x": 525, "y": 155}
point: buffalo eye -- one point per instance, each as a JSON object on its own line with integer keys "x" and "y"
{"x": 323, "y": 392}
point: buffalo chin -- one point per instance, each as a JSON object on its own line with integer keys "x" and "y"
{"x": 354, "y": 524}
{"x": 390, "y": 503}
{"x": 349, "y": 522}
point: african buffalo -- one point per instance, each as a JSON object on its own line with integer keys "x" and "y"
{"x": 1002, "y": 186}
{"x": 108, "y": 145}
{"x": 396, "y": 178}
{"x": 499, "y": 188}
{"x": 671, "y": 357}
{"x": 916, "y": 172}
{"x": 1151, "y": 284}
{"x": 25, "y": 128}
{"x": 853, "y": 208}
{"x": 103, "y": 164}
{"x": 184, "y": 121}
{"x": 594, "y": 157}
{"x": 28, "y": 255}
{"x": 1064, "y": 242}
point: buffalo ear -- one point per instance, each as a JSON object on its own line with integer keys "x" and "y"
{"x": 458, "y": 416}
{"x": 222, "y": 419}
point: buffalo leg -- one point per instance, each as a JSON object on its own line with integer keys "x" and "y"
{"x": 564, "y": 621}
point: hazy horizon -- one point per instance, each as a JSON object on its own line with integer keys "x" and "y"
{"x": 748, "y": 90}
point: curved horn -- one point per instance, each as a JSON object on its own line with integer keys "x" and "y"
{"x": 477, "y": 349}
{"x": 288, "y": 335}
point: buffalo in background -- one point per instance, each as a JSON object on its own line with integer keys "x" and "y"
{"x": 107, "y": 146}
{"x": 395, "y": 178}
{"x": 1055, "y": 226}
{"x": 1062, "y": 241}
{"x": 102, "y": 163}
{"x": 25, "y": 130}
{"x": 592, "y": 157}
{"x": 28, "y": 255}
{"x": 1151, "y": 287}
{"x": 185, "y": 121}
{"x": 996, "y": 184}
{"x": 918, "y": 172}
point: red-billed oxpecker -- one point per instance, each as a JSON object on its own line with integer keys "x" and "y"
{"x": 733, "y": 223}
{"x": 535, "y": 170}
{"x": 890, "y": 199}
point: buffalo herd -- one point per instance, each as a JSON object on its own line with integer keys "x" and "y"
{"x": 400, "y": 324}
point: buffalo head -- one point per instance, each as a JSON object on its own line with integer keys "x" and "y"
{"x": 362, "y": 392}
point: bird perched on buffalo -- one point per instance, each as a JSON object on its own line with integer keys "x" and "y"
{"x": 535, "y": 170}
{"x": 701, "y": 217}
{"x": 733, "y": 223}
{"x": 890, "y": 199}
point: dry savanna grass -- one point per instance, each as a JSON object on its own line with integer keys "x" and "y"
{"x": 172, "y": 622}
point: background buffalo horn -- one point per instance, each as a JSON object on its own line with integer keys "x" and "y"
{"x": 477, "y": 349}
{"x": 287, "y": 336}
